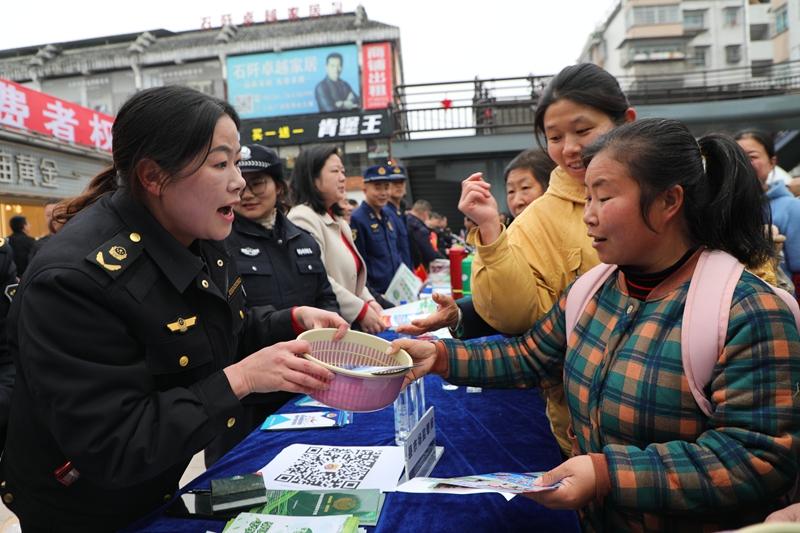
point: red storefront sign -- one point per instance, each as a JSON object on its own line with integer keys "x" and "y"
{"x": 377, "y": 75}
{"x": 26, "y": 109}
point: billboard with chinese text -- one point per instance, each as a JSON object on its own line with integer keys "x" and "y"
{"x": 28, "y": 110}
{"x": 295, "y": 82}
{"x": 310, "y": 129}
{"x": 377, "y": 75}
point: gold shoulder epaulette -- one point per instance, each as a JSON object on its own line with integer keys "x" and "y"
{"x": 117, "y": 254}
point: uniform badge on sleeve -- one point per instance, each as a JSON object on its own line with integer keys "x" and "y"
{"x": 353, "y": 231}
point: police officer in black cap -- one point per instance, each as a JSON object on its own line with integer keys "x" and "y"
{"x": 281, "y": 266}
{"x": 374, "y": 234}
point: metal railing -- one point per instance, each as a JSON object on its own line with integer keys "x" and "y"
{"x": 485, "y": 107}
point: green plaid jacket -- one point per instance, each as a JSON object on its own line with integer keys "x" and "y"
{"x": 671, "y": 467}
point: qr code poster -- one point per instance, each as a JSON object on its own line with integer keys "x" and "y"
{"x": 303, "y": 466}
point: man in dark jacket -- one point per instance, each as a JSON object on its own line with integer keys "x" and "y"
{"x": 20, "y": 242}
{"x": 421, "y": 248}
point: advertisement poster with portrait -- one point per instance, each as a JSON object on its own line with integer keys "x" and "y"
{"x": 295, "y": 82}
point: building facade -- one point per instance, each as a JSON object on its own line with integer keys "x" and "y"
{"x": 684, "y": 43}
{"x": 283, "y": 76}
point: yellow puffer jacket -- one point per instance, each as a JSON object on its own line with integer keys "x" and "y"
{"x": 518, "y": 278}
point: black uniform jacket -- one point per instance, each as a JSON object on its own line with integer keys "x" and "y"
{"x": 282, "y": 267}
{"x": 119, "y": 335}
{"x": 8, "y": 286}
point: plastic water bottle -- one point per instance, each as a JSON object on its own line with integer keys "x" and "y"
{"x": 408, "y": 409}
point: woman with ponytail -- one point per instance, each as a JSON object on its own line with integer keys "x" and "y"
{"x": 647, "y": 457}
{"x": 129, "y": 334}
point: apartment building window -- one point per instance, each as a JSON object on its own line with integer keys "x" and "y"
{"x": 700, "y": 56}
{"x": 759, "y": 32}
{"x": 733, "y": 53}
{"x": 731, "y": 16}
{"x": 664, "y": 14}
{"x": 782, "y": 19}
{"x": 694, "y": 20}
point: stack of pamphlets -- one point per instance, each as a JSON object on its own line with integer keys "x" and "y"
{"x": 237, "y": 491}
{"x": 364, "y": 504}
{"x": 501, "y": 482}
{"x": 316, "y": 419}
{"x": 261, "y": 523}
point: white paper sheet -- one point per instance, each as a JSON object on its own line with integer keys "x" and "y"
{"x": 308, "y": 466}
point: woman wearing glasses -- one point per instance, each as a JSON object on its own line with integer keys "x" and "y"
{"x": 280, "y": 265}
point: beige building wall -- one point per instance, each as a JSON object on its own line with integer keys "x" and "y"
{"x": 656, "y": 30}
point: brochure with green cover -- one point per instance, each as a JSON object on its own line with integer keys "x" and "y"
{"x": 365, "y": 504}
{"x": 260, "y": 523}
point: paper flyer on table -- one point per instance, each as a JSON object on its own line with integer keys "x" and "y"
{"x": 307, "y": 466}
{"x": 434, "y": 485}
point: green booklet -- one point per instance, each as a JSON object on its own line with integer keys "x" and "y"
{"x": 260, "y": 523}
{"x": 365, "y": 504}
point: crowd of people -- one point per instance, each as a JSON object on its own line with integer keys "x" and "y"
{"x": 159, "y": 316}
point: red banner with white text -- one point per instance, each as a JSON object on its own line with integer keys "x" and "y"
{"x": 377, "y": 75}
{"x": 29, "y": 110}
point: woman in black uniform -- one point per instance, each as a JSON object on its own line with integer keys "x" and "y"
{"x": 280, "y": 265}
{"x": 132, "y": 346}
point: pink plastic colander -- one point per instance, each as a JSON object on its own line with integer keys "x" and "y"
{"x": 351, "y": 390}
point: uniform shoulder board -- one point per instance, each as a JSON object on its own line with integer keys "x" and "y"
{"x": 117, "y": 254}
{"x": 10, "y": 291}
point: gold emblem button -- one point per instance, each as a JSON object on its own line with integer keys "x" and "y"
{"x": 135, "y": 237}
{"x": 167, "y": 497}
{"x": 3, "y": 485}
{"x": 8, "y": 498}
{"x": 183, "y": 361}
{"x": 241, "y": 313}
{"x": 204, "y": 283}
{"x": 219, "y": 262}
{"x": 231, "y": 422}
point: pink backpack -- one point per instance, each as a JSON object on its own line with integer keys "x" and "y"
{"x": 707, "y": 310}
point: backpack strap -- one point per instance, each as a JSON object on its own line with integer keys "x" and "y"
{"x": 581, "y": 293}
{"x": 705, "y": 319}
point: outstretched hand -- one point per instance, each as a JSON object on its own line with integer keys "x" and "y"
{"x": 446, "y": 316}
{"x": 278, "y": 367}
{"x": 578, "y": 485}
{"x": 420, "y": 352}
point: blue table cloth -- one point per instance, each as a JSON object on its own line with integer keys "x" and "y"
{"x": 490, "y": 431}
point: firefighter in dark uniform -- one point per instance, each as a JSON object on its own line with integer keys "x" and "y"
{"x": 374, "y": 233}
{"x": 8, "y": 284}
{"x": 397, "y": 189}
{"x": 280, "y": 265}
{"x": 129, "y": 334}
